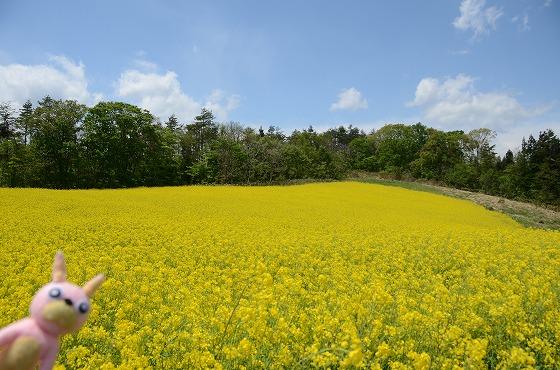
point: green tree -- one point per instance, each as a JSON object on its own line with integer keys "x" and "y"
{"x": 324, "y": 160}
{"x": 7, "y": 121}
{"x": 203, "y": 131}
{"x": 12, "y": 152}
{"x": 115, "y": 143}
{"x": 441, "y": 152}
{"x": 545, "y": 163}
{"x": 226, "y": 162}
{"x": 341, "y": 136}
{"x": 480, "y": 148}
{"x": 161, "y": 159}
{"x": 482, "y": 158}
{"x": 13, "y": 163}
{"x": 265, "y": 158}
{"x": 54, "y": 141}
{"x": 297, "y": 162}
{"x": 398, "y": 145}
{"x": 25, "y": 121}
{"x": 172, "y": 123}
{"x": 361, "y": 154}
{"x": 195, "y": 141}
{"x": 506, "y": 161}
{"x": 232, "y": 130}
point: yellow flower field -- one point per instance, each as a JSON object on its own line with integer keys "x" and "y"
{"x": 317, "y": 275}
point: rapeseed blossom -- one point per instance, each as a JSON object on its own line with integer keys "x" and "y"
{"x": 345, "y": 275}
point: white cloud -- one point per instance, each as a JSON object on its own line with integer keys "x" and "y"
{"x": 145, "y": 65}
{"x": 220, "y": 104}
{"x": 524, "y": 22}
{"x": 461, "y": 52}
{"x": 474, "y": 16}
{"x": 163, "y": 96}
{"x": 349, "y": 99}
{"x": 61, "y": 79}
{"x": 511, "y": 138}
{"x": 455, "y": 104}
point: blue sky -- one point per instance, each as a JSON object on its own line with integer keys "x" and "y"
{"x": 449, "y": 64}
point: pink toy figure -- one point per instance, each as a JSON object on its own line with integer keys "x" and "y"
{"x": 58, "y": 308}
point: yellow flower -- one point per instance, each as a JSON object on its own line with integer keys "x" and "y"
{"x": 354, "y": 358}
{"x": 420, "y": 361}
{"x": 244, "y": 348}
{"x": 383, "y": 350}
{"x": 519, "y": 357}
{"x": 327, "y": 275}
{"x": 476, "y": 349}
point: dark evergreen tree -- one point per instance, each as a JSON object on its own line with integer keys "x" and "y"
{"x": 24, "y": 121}
{"x": 11, "y": 151}
{"x": 172, "y": 123}
{"x": 7, "y": 121}
{"x": 203, "y": 130}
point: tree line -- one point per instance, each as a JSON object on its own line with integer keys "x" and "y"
{"x": 63, "y": 144}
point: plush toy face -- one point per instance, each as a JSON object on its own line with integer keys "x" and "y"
{"x": 62, "y": 307}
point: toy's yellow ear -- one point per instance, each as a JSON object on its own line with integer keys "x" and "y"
{"x": 92, "y": 285}
{"x": 59, "y": 268}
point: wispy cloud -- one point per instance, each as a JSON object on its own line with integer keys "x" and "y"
{"x": 522, "y": 21}
{"x": 461, "y": 52}
{"x": 477, "y": 18}
{"x": 144, "y": 65}
{"x": 526, "y": 22}
{"x": 221, "y": 104}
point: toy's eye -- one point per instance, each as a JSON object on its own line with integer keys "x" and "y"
{"x": 83, "y": 307}
{"x": 55, "y": 293}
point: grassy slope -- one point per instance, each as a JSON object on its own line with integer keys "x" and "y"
{"x": 527, "y": 214}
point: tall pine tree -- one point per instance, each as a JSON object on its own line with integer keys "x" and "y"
{"x": 24, "y": 121}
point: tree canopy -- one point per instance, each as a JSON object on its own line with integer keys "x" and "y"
{"x": 63, "y": 144}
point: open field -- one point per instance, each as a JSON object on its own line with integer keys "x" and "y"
{"x": 332, "y": 274}
{"x": 528, "y": 214}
